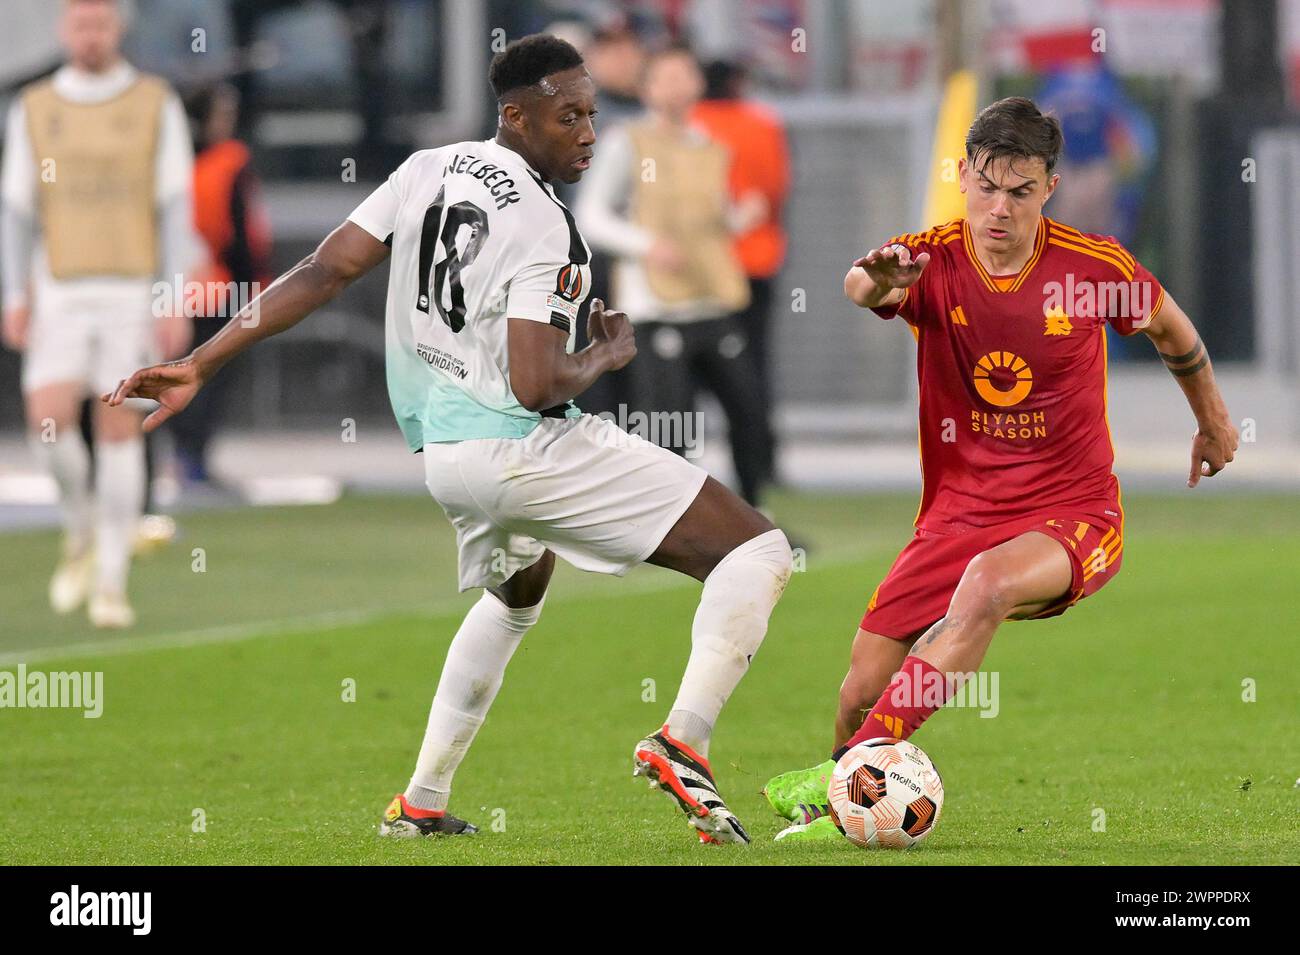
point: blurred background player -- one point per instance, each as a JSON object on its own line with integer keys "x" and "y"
{"x": 657, "y": 199}
{"x": 1020, "y": 511}
{"x": 96, "y": 206}
{"x": 759, "y": 166}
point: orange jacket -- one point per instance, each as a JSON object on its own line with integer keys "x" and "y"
{"x": 216, "y": 171}
{"x": 760, "y": 160}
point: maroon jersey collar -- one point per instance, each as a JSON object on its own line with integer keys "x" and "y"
{"x": 1040, "y": 243}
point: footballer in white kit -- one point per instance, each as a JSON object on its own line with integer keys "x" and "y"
{"x": 488, "y": 274}
{"x": 479, "y": 238}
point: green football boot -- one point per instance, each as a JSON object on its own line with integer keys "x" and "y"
{"x": 800, "y": 796}
{"x": 821, "y": 829}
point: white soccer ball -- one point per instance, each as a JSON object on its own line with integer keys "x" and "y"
{"x": 885, "y": 793}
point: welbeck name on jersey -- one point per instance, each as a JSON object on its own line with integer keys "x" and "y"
{"x": 495, "y": 179}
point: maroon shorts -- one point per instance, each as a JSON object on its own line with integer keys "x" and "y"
{"x": 916, "y": 591}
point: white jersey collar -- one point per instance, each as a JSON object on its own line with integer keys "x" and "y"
{"x": 82, "y": 87}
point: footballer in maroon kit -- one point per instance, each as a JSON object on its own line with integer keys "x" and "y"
{"x": 1020, "y": 512}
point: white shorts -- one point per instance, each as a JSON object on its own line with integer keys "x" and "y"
{"x": 95, "y": 340}
{"x": 599, "y": 497}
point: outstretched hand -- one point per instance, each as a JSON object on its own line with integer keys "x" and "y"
{"x": 893, "y": 266}
{"x": 173, "y": 385}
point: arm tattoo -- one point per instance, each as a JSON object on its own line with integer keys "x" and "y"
{"x": 1188, "y": 364}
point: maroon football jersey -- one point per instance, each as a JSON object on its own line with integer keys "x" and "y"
{"x": 1012, "y": 372}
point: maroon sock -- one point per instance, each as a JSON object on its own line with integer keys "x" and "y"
{"x": 917, "y": 690}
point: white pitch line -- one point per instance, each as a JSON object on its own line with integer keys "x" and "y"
{"x": 234, "y": 633}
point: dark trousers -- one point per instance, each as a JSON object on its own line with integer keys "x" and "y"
{"x": 756, "y": 320}
{"x": 674, "y": 360}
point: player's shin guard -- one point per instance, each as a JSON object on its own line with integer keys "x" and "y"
{"x": 917, "y": 690}
{"x": 731, "y": 621}
{"x": 67, "y": 459}
{"x": 119, "y": 502}
{"x": 471, "y": 677}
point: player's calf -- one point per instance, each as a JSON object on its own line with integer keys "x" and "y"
{"x": 874, "y": 661}
{"x": 1020, "y": 577}
{"x": 471, "y": 676}
{"x": 729, "y": 626}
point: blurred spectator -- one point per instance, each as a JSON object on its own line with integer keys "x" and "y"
{"x": 656, "y": 198}
{"x": 96, "y": 205}
{"x": 232, "y": 222}
{"x": 1109, "y": 149}
{"x": 615, "y": 59}
{"x": 760, "y": 166}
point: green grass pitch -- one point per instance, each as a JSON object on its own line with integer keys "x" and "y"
{"x": 229, "y": 699}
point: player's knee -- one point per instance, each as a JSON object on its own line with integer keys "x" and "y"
{"x": 516, "y": 620}
{"x": 784, "y": 553}
{"x": 44, "y": 413}
{"x": 765, "y": 546}
{"x": 46, "y": 426}
{"x": 112, "y": 428}
{"x": 770, "y": 549}
{"x": 985, "y": 589}
{"x": 741, "y": 592}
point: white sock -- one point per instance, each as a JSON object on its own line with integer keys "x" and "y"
{"x": 119, "y": 502}
{"x": 67, "y": 460}
{"x": 729, "y": 625}
{"x": 471, "y": 676}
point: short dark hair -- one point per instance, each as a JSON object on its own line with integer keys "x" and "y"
{"x": 526, "y": 61}
{"x": 1014, "y": 128}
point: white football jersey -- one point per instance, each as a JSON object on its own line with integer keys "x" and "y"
{"x": 477, "y": 237}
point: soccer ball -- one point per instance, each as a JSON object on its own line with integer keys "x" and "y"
{"x": 885, "y": 792}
